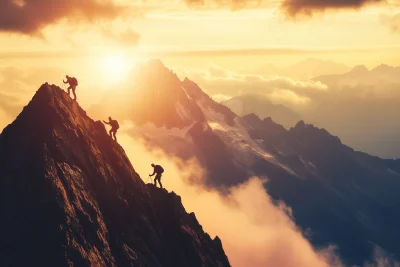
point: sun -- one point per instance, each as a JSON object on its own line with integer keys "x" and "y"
{"x": 115, "y": 68}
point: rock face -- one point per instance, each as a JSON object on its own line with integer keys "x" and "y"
{"x": 70, "y": 197}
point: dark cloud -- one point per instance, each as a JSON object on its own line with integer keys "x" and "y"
{"x": 292, "y": 8}
{"x": 307, "y": 7}
{"x": 232, "y": 4}
{"x": 31, "y": 16}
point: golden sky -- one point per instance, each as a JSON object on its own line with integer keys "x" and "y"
{"x": 197, "y": 32}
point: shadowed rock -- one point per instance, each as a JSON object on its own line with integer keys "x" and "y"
{"x": 70, "y": 197}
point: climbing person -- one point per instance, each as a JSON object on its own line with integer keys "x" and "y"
{"x": 158, "y": 170}
{"x": 114, "y": 127}
{"x": 73, "y": 83}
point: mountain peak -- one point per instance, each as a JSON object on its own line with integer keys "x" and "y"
{"x": 359, "y": 69}
{"x": 300, "y": 125}
{"x": 303, "y": 131}
{"x": 383, "y": 68}
{"x": 71, "y": 196}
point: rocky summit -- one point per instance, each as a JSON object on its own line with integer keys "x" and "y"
{"x": 70, "y": 197}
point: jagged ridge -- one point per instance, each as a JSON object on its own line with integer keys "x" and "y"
{"x": 70, "y": 197}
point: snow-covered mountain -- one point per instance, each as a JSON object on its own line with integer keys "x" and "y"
{"x": 340, "y": 196}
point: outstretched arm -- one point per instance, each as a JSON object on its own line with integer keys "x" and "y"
{"x": 65, "y": 82}
{"x": 106, "y": 122}
{"x": 153, "y": 173}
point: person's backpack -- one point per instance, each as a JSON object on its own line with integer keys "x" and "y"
{"x": 74, "y": 81}
{"x": 115, "y": 124}
{"x": 161, "y": 169}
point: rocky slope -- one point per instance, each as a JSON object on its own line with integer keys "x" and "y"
{"x": 70, "y": 197}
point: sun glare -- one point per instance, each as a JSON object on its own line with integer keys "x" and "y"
{"x": 115, "y": 68}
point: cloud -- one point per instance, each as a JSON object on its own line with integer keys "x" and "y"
{"x": 307, "y": 7}
{"x": 30, "y": 17}
{"x": 232, "y": 4}
{"x": 282, "y": 90}
{"x": 220, "y": 97}
{"x": 382, "y": 259}
{"x": 291, "y": 8}
{"x": 249, "y": 51}
{"x": 288, "y": 97}
{"x": 393, "y": 22}
{"x": 127, "y": 37}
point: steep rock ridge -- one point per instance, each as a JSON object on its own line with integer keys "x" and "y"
{"x": 70, "y": 197}
{"x": 265, "y": 128}
{"x": 205, "y": 102}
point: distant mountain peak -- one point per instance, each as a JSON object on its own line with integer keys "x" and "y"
{"x": 312, "y": 133}
{"x": 300, "y": 125}
{"x": 359, "y": 69}
{"x": 382, "y": 68}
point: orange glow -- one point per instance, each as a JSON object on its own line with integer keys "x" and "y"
{"x": 114, "y": 67}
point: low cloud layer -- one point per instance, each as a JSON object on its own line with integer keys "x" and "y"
{"x": 30, "y": 17}
{"x": 281, "y": 90}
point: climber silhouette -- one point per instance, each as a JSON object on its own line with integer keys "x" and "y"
{"x": 114, "y": 127}
{"x": 73, "y": 83}
{"x": 158, "y": 170}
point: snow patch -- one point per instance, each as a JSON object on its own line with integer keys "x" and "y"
{"x": 188, "y": 96}
{"x": 237, "y": 138}
{"x": 393, "y": 172}
{"x": 182, "y": 112}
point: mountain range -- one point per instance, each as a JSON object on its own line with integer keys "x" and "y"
{"x": 337, "y": 195}
{"x": 361, "y": 75}
{"x": 262, "y": 107}
{"x": 304, "y": 70}
{"x": 361, "y": 107}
